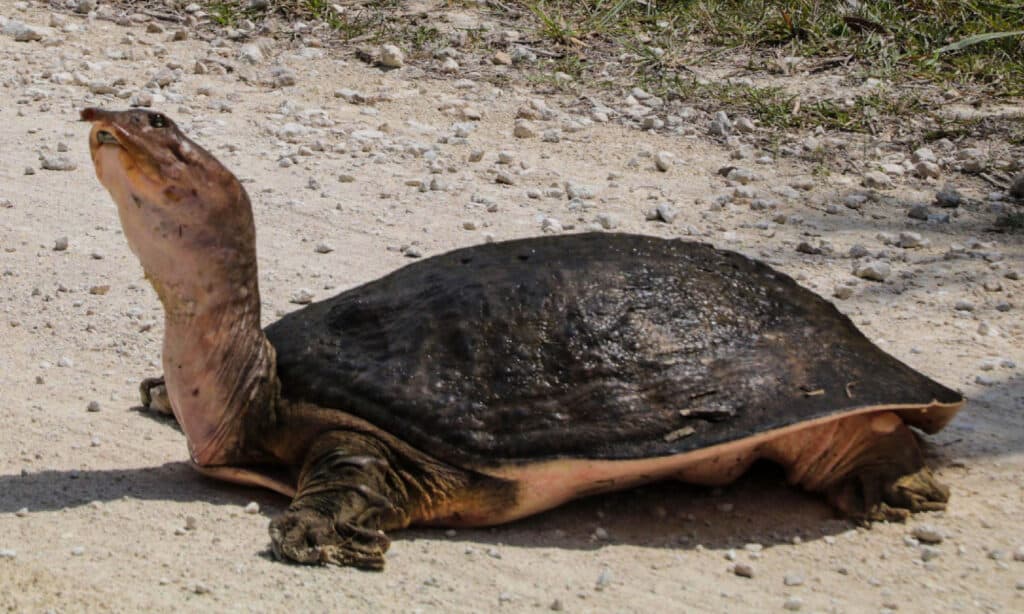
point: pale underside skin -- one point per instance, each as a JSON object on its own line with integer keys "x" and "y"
{"x": 547, "y": 484}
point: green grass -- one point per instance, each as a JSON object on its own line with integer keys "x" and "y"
{"x": 980, "y": 42}
{"x": 976, "y": 46}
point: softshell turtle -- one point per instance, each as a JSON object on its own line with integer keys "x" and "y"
{"x": 497, "y": 381}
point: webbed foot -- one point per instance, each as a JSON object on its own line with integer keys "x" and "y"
{"x": 874, "y": 495}
{"x": 307, "y": 536}
{"x": 347, "y": 494}
{"x": 153, "y": 393}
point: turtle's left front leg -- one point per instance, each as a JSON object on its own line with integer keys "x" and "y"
{"x": 348, "y": 493}
{"x": 153, "y": 394}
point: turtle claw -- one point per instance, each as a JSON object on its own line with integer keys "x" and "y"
{"x": 153, "y": 394}
{"x": 308, "y": 537}
{"x": 872, "y": 496}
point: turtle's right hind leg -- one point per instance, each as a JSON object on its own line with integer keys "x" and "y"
{"x": 153, "y": 393}
{"x": 869, "y": 466}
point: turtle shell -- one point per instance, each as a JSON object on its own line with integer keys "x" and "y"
{"x": 598, "y": 346}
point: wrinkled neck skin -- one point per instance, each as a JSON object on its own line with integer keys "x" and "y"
{"x": 219, "y": 367}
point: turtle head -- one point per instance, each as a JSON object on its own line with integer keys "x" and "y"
{"x": 185, "y": 215}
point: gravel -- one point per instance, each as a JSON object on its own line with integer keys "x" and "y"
{"x": 874, "y": 270}
{"x": 663, "y": 161}
{"x": 793, "y": 579}
{"x": 391, "y": 56}
{"x": 927, "y": 534}
{"x": 58, "y": 163}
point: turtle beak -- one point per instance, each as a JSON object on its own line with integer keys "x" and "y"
{"x": 104, "y": 128}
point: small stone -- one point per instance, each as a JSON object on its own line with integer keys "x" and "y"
{"x": 251, "y": 53}
{"x": 302, "y": 297}
{"x": 948, "y": 197}
{"x": 603, "y": 579}
{"x": 929, "y": 553}
{"x": 22, "y": 513}
{"x": 793, "y": 604}
{"x": 578, "y": 191}
{"x": 1018, "y": 554}
{"x": 346, "y": 178}
{"x": 252, "y": 508}
{"x": 505, "y": 178}
{"x": 910, "y": 240}
{"x": 600, "y": 533}
{"x": 855, "y": 201}
{"x": 806, "y": 248}
{"x": 449, "y": 66}
{"x": 200, "y": 589}
{"x": 663, "y": 161}
{"x": 191, "y": 524}
{"x": 743, "y": 570}
{"x": 281, "y": 76}
{"x": 607, "y": 221}
{"x": 963, "y": 305}
{"x": 77, "y": 551}
{"x": 29, "y": 170}
{"x": 556, "y": 606}
{"x": 720, "y": 125}
{"x": 918, "y": 212}
{"x": 666, "y": 213}
{"x": 927, "y": 170}
{"x": 85, "y": 6}
{"x": 502, "y": 59}
{"x": 842, "y": 292}
{"x": 58, "y": 163}
{"x": 94, "y": 406}
{"x": 391, "y": 56}
{"x": 323, "y": 248}
{"x": 874, "y": 270}
{"x": 877, "y": 180}
{"x": 412, "y": 251}
{"x": 524, "y": 129}
{"x": 60, "y": 244}
{"x": 927, "y": 534}
{"x": 793, "y": 579}
{"x": 7, "y": 553}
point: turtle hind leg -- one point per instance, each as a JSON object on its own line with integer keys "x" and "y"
{"x": 869, "y": 467}
{"x": 354, "y": 486}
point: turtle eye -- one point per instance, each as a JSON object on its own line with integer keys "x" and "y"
{"x": 157, "y": 120}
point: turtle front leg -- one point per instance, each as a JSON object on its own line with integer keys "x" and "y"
{"x": 153, "y": 394}
{"x": 349, "y": 492}
{"x": 868, "y": 466}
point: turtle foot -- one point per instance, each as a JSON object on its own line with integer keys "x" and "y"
{"x": 309, "y": 537}
{"x": 153, "y": 393}
{"x": 874, "y": 496}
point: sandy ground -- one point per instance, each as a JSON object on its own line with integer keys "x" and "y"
{"x": 94, "y": 504}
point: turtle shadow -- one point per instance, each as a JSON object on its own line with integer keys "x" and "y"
{"x": 759, "y": 508}
{"x": 55, "y": 490}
